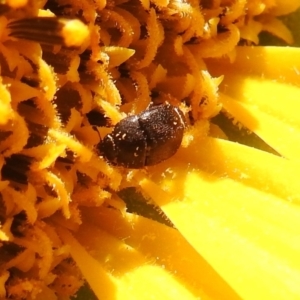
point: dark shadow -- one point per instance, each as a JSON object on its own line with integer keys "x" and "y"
{"x": 137, "y": 204}
{"x": 241, "y": 135}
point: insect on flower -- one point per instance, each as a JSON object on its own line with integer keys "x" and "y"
{"x": 145, "y": 139}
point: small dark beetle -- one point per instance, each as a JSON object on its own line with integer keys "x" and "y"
{"x": 146, "y": 139}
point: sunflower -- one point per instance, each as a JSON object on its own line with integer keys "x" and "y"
{"x": 217, "y": 220}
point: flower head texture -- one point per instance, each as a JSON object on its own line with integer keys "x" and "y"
{"x": 219, "y": 219}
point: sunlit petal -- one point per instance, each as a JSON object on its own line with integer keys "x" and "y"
{"x": 235, "y": 200}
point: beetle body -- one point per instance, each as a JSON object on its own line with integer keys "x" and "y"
{"x": 146, "y": 139}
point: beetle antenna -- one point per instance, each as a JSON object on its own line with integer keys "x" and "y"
{"x": 96, "y": 129}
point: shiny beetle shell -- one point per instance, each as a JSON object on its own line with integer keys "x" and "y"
{"x": 146, "y": 139}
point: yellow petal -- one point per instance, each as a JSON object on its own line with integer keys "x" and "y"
{"x": 164, "y": 245}
{"x": 265, "y": 106}
{"x": 242, "y": 228}
{"x": 284, "y": 7}
{"x": 280, "y": 135}
{"x": 117, "y": 271}
{"x": 279, "y": 63}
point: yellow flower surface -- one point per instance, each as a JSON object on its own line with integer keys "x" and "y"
{"x": 226, "y": 208}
